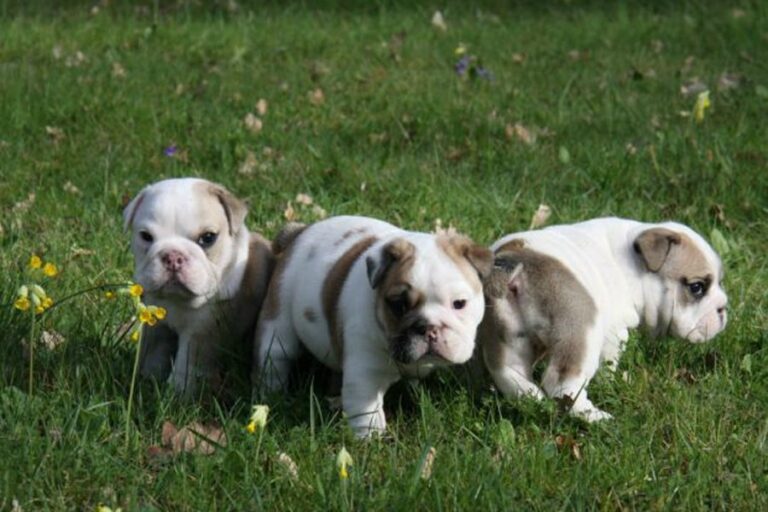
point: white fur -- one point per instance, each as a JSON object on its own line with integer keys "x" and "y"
{"x": 600, "y": 255}
{"x": 368, "y": 368}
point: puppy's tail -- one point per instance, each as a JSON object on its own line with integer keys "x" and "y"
{"x": 286, "y": 236}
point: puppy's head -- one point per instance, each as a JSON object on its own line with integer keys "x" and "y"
{"x": 184, "y": 237}
{"x": 429, "y": 296}
{"x": 692, "y": 302}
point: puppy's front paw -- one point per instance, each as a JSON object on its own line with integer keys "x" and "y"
{"x": 368, "y": 424}
{"x": 592, "y": 415}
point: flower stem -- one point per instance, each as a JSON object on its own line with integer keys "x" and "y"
{"x": 31, "y": 345}
{"x": 132, "y": 389}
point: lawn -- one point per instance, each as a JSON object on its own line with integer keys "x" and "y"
{"x": 581, "y": 106}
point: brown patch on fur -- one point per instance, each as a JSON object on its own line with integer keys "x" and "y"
{"x": 286, "y": 236}
{"x": 129, "y": 216}
{"x": 475, "y": 261}
{"x": 310, "y": 315}
{"x": 557, "y": 311}
{"x": 234, "y": 209}
{"x": 513, "y": 245}
{"x": 350, "y": 233}
{"x": 332, "y": 286}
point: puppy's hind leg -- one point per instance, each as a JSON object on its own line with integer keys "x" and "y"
{"x": 511, "y": 366}
{"x": 277, "y": 346}
{"x": 573, "y": 363}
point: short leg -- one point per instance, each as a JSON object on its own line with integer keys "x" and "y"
{"x": 362, "y": 395}
{"x": 158, "y": 346}
{"x": 277, "y": 346}
{"x": 511, "y": 366}
{"x": 571, "y": 367}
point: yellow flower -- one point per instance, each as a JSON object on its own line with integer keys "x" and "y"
{"x": 47, "y": 302}
{"x": 109, "y": 295}
{"x": 136, "y": 334}
{"x": 135, "y": 290}
{"x": 702, "y": 104}
{"x": 146, "y": 316}
{"x": 22, "y": 303}
{"x": 104, "y": 508}
{"x": 158, "y": 312}
{"x": 258, "y": 418}
{"x": 39, "y": 309}
{"x": 35, "y": 262}
{"x": 460, "y": 50}
{"x": 50, "y": 270}
{"x": 343, "y": 461}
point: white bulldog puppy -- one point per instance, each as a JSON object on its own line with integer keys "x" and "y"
{"x": 195, "y": 257}
{"x": 374, "y": 302}
{"x": 570, "y": 294}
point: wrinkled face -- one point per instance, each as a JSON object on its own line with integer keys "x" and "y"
{"x": 691, "y": 274}
{"x": 181, "y": 239}
{"x": 429, "y": 298}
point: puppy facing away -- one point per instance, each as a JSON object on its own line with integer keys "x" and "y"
{"x": 195, "y": 257}
{"x": 374, "y": 302}
{"x": 571, "y": 293}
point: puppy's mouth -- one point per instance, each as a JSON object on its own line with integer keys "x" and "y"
{"x": 173, "y": 287}
{"x": 420, "y": 344}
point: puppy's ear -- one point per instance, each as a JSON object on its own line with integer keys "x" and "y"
{"x": 129, "y": 213}
{"x": 479, "y": 257}
{"x": 515, "y": 283}
{"x": 378, "y": 267}
{"x": 234, "y": 208}
{"x": 505, "y": 277}
{"x": 654, "y": 246}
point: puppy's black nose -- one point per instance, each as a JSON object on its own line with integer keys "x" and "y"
{"x": 173, "y": 260}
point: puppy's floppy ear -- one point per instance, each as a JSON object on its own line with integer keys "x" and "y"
{"x": 234, "y": 208}
{"x": 505, "y": 277}
{"x": 129, "y": 212}
{"x": 377, "y": 267}
{"x": 654, "y": 246}
{"x": 479, "y": 257}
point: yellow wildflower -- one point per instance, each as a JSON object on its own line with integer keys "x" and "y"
{"x": 39, "y": 309}
{"x": 702, "y": 104}
{"x": 146, "y": 316}
{"x": 160, "y": 313}
{"x": 135, "y": 335}
{"x": 343, "y": 461}
{"x": 22, "y": 303}
{"x": 47, "y": 302}
{"x": 258, "y": 418}
{"x": 35, "y": 262}
{"x": 50, "y": 270}
{"x": 460, "y": 50}
{"x": 135, "y": 290}
{"x": 109, "y": 295}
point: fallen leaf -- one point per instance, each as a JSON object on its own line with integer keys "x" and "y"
{"x": 249, "y": 164}
{"x": 439, "y": 22}
{"x": 543, "y": 212}
{"x": 630, "y": 148}
{"x": 261, "y": 107}
{"x": 75, "y": 60}
{"x": 51, "y": 340}
{"x": 192, "y": 438}
{"x": 289, "y": 213}
{"x": 26, "y": 204}
{"x": 429, "y": 460}
{"x": 253, "y": 123}
{"x": 71, "y": 188}
{"x": 290, "y": 466}
{"x": 567, "y": 443}
{"x": 56, "y": 134}
{"x": 118, "y": 71}
{"x": 685, "y": 375}
{"x": 15, "y": 506}
{"x": 304, "y": 199}
{"x": 520, "y": 132}
{"x": 317, "y": 97}
{"x": 518, "y": 58}
{"x": 729, "y": 81}
{"x": 693, "y": 87}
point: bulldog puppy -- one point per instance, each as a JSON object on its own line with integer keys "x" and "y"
{"x": 374, "y": 302}
{"x": 570, "y": 294}
{"x": 195, "y": 257}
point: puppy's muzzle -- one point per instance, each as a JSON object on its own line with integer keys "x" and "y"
{"x": 431, "y": 333}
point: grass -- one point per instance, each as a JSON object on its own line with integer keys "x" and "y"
{"x": 400, "y": 137}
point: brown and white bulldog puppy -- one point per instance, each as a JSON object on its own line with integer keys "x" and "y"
{"x": 374, "y": 302}
{"x": 195, "y": 257}
{"x": 570, "y": 294}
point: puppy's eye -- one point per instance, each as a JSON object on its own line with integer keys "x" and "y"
{"x": 207, "y": 239}
{"x": 697, "y": 289}
{"x": 398, "y": 305}
{"x": 146, "y": 236}
{"x": 459, "y": 304}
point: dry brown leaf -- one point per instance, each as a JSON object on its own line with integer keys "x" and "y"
{"x": 192, "y": 438}
{"x": 249, "y": 164}
{"x": 567, "y": 443}
{"x": 304, "y": 199}
{"x": 56, "y": 134}
{"x": 253, "y": 123}
{"x": 71, "y": 188}
{"x": 729, "y": 81}
{"x": 261, "y": 107}
{"x": 543, "y": 212}
{"x": 439, "y": 22}
{"x": 290, "y": 466}
{"x": 51, "y": 340}
{"x": 429, "y": 460}
{"x": 118, "y": 71}
{"x": 317, "y": 97}
{"x": 289, "y": 213}
{"x": 518, "y": 58}
{"x": 25, "y": 204}
{"x": 693, "y": 87}
{"x": 520, "y": 132}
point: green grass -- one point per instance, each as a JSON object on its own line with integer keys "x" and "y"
{"x": 405, "y": 140}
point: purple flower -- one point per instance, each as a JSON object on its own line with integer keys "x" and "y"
{"x": 483, "y": 73}
{"x": 170, "y": 151}
{"x": 462, "y": 65}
